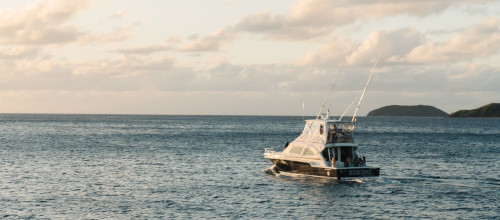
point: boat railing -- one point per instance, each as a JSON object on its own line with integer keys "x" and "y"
{"x": 269, "y": 151}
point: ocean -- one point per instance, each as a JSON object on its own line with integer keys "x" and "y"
{"x": 212, "y": 167}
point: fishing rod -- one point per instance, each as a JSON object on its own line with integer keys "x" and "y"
{"x": 366, "y": 86}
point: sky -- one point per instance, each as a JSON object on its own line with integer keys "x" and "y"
{"x": 246, "y": 57}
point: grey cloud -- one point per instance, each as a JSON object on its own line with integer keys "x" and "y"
{"x": 473, "y": 78}
{"x": 283, "y": 83}
{"x": 298, "y": 79}
{"x": 120, "y": 74}
{"x": 231, "y": 77}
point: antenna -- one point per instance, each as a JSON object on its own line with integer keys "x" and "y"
{"x": 303, "y": 106}
{"x": 366, "y": 86}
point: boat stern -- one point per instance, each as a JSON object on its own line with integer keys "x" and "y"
{"x": 358, "y": 172}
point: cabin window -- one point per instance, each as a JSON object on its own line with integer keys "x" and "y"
{"x": 308, "y": 153}
{"x": 296, "y": 150}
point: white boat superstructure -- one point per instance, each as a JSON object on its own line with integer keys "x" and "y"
{"x": 325, "y": 147}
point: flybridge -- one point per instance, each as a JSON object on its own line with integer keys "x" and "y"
{"x": 327, "y": 131}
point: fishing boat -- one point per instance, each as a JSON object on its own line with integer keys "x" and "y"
{"x": 325, "y": 148}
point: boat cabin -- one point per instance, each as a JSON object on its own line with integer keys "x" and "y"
{"x": 343, "y": 156}
{"x": 328, "y": 140}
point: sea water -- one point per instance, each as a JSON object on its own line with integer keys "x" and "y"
{"x": 136, "y": 167}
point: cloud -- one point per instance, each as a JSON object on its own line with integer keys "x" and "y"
{"x": 119, "y": 14}
{"x": 44, "y": 22}
{"x": 19, "y": 52}
{"x": 123, "y": 73}
{"x": 268, "y": 77}
{"x": 395, "y": 44}
{"x": 134, "y": 73}
{"x": 122, "y": 67}
{"x": 408, "y": 46}
{"x": 480, "y": 40}
{"x": 137, "y": 73}
{"x": 287, "y": 85}
{"x": 331, "y": 53}
{"x": 145, "y": 50}
{"x": 308, "y": 19}
{"x": 471, "y": 77}
{"x": 281, "y": 27}
{"x": 116, "y": 35}
{"x": 211, "y": 43}
{"x": 49, "y": 23}
{"x": 233, "y": 77}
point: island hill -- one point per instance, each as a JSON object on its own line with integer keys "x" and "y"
{"x": 490, "y": 110}
{"x": 412, "y": 110}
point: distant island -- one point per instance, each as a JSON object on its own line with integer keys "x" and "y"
{"x": 490, "y": 110}
{"x": 405, "y": 110}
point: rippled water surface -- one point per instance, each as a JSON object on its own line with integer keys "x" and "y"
{"x": 127, "y": 167}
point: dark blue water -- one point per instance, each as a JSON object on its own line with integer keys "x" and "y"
{"x": 128, "y": 167}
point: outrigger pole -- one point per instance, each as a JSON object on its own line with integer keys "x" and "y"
{"x": 340, "y": 119}
{"x": 328, "y": 95}
{"x": 366, "y": 86}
